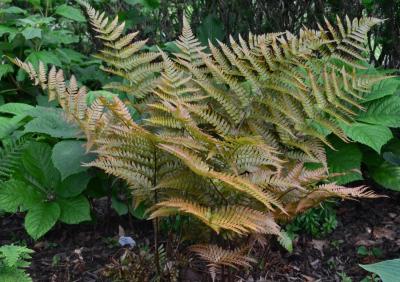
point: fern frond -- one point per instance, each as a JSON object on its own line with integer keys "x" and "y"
{"x": 216, "y": 257}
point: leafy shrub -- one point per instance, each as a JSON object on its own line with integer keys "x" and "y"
{"x": 377, "y": 146}
{"x": 221, "y": 137}
{"x": 46, "y": 182}
{"x": 37, "y": 188}
{"x": 317, "y": 222}
{"x": 13, "y": 260}
{"x": 52, "y": 32}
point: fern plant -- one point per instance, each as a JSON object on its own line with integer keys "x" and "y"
{"x": 224, "y": 135}
{"x": 13, "y": 260}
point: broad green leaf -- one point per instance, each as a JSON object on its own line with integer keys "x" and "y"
{"x": 15, "y": 193}
{"x": 73, "y": 185}
{"x": 47, "y": 57}
{"x": 36, "y": 160}
{"x": 40, "y": 219}
{"x": 16, "y": 108}
{"x": 5, "y": 69}
{"x": 9, "y": 125}
{"x": 70, "y": 55}
{"x": 120, "y": 207}
{"x": 374, "y": 136}
{"x": 50, "y": 121}
{"x": 93, "y": 95}
{"x": 388, "y": 270}
{"x": 74, "y": 210}
{"x": 7, "y": 29}
{"x": 140, "y": 211}
{"x": 384, "y": 88}
{"x": 12, "y": 10}
{"x": 70, "y": 12}
{"x": 385, "y": 111}
{"x": 346, "y": 158}
{"x": 210, "y": 29}
{"x": 387, "y": 175}
{"x": 60, "y": 37}
{"x": 69, "y": 155}
{"x": 391, "y": 151}
{"x": 32, "y": 32}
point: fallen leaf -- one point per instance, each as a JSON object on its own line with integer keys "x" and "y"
{"x": 319, "y": 245}
{"x": 366, "y": 243}
{"x": 309, "y": 278}
{"x": 382, "y": 232}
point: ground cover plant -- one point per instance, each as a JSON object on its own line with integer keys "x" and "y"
{"x": 218, "y": 144}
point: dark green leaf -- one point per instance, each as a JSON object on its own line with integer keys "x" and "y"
{"x": 12, "y": 10}
{"x": 32, "y": 32}
{"x": 374, "y": 136}
{"x": 387, "y": 175}
{"x": 7, "y": 29}
{"x": 40, "y": 219}
{"x": 50, "y": 121}
{"x": 70, "y": 12}
{"x": 37, "y": 162}
{"x": 385, "y": 111}
{"x": 120, "y": 207}
{"x": 346, "y": 158}
{"x": 47, "y": 57}
{"x": 210, "y": 29}
{"x": 73, "y": 185}
{"x": 16, "y": 108}
{"x": 69, "y": 155}
{"x": 382, "y": 89}
{"x": 74, "y": 210}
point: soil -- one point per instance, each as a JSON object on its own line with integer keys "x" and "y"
{"x": 80, "y": 253}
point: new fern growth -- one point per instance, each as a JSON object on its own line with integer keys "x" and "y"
{"x": 224, "y": 135}
{"x": 13, "y": 260}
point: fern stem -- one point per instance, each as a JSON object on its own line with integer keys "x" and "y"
{"x": 219, "y": 192}
{"x": 155, "y": 221}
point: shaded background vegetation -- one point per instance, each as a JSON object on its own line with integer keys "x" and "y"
{"x": 220, "y": 18}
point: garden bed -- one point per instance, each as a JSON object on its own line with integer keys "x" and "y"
{"x": 80, "y": 253}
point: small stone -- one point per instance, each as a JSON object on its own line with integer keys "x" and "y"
{"x": 126, "y": 241}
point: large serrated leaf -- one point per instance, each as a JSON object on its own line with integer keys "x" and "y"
{"x": 40, "y": 219}
{"x": 346, "y": 158}
{"x": 74, "y": 210}
{"x": 382, "y": 89}
{"x": 387, "y": 175}
{"x": 16, "y": 108}
{"x": 385, "y": 111}
{"x": 374, "y": 136}
{"x": 73, "y": 185}
{"x": 36, "y": 160}
{"x": 70, "y": 12}
{"x": 50, "y": 121}
{"x": 388, "y": 271}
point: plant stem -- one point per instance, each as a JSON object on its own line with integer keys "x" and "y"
{"x": 155, "y": 221}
